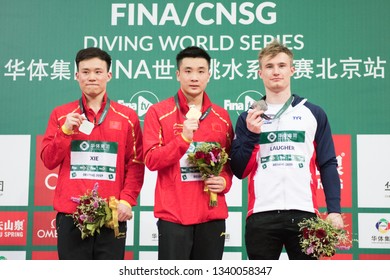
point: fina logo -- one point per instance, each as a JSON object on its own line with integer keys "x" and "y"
{"x": 140, "y": 102}
{"x": 243, "y": 101}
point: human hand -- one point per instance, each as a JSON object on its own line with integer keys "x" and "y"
{"x": 215, "y": 184}
{"x": 261, "y": 105}
{"x": 254, "y": 121}
{"x": 189, "y": 127}
{"x": 336, "y": 220}
{"x": 124, "y": 212}
{"x": 73, "y": 120}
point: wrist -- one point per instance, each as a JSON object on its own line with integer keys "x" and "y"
{"x": 66, "y": 131}
{"x": 125, "y": 202}
{"x": 224, "y": 182}
{"x": 185, "y": 138}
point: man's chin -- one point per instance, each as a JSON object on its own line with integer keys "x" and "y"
{"x": 92, "y": 93}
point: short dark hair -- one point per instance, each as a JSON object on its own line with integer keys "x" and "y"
{"x": 194, "y": 52}
{"x": 92, "y": 52}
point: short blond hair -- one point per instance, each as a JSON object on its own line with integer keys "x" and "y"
{"x": 273, "y": 49}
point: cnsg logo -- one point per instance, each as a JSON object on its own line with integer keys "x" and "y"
{"x": 243, "y": 101}
{"x": 383, "y": 226}
{"x": 140, "y": 102}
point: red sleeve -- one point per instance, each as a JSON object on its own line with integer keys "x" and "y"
{"x": 55, "y": 144}
{"x": 252, "y": 163}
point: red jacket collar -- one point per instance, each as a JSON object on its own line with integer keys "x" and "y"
{"x": 86, "y": 107}
{"x": 184, "y": 106}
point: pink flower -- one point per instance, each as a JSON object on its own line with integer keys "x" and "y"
{"x": 310, "y": 250}
{"x": 213, "y": 157}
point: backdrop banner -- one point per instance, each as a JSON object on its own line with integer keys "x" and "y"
{"x": 341, "y": 58}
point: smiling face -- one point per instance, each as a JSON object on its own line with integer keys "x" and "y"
{"x": 193, "y": 75}
{"x": 93, "y": 77}
{"x": 276, "y": 73}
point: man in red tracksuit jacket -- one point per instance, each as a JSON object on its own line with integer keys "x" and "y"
{"x": 188, "y": 227}
{"x": 93, "y": 140}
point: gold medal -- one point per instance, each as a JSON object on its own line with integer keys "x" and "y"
{"x": 193, "y": 113}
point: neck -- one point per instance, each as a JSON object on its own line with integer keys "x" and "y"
{"x": 196, "y": 101}
{"x": 277, "y": 98}
{"x": 95, "y": 103}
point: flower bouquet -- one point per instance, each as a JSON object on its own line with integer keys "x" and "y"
{"x": 209, "y": 158}
{"x": 94, "y": 212}
{"x": 319, "y": 238}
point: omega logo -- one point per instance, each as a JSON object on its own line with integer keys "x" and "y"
{"x": 48, "y": 181}
{"x": 52, "y": 233}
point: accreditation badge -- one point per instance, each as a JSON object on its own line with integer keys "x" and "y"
{"x": 93, "y": 160}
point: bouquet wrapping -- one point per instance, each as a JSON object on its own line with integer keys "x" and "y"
{"x": 209, "y": 158}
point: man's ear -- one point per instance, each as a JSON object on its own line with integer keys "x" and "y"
{"x": 259, "y": 72}
{"x": 177, "y": 75}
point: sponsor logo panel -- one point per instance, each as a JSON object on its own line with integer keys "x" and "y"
{"x": 44, "y": 228}
{"x": 344, "y": 161}
{"x": 233, "y": 236}
{"x": 12, "y": 255}
{"x": 374, "y": 256}
{"x": 148, "y": 233}
{"x": 45, "y": 179}
{"x": 373, "y": 176}
{"x": 14, "y": 169}
{"x": 13, "y": 228}
{"x": 44, "y": 255}
{"x": 374, "y": 230}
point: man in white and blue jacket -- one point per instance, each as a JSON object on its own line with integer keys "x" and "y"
{"x": 279, "y": 147}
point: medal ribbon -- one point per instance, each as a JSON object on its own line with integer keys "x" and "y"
{"x": 284, "y": 108}
{"x": 202, "y": 117}
{"x": 104, "y": 114}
